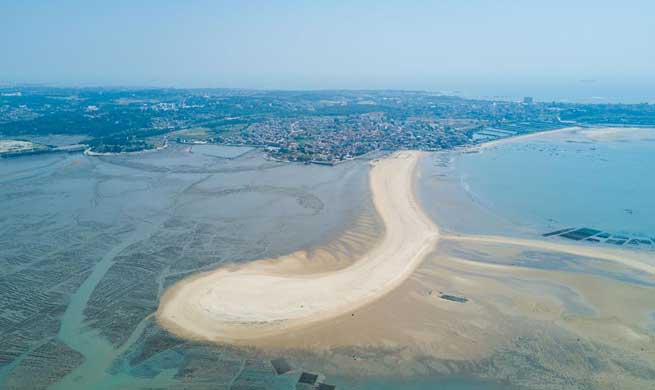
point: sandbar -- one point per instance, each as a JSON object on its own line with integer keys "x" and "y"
{"x": 266, "y": 297}
{"x": 640, "y": 260}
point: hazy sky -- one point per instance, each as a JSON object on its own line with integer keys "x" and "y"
{"x": 474, "y": 46}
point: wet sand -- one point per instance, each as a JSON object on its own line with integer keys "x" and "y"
{"x": 521, "y": 320}
{"x": 523, "y": 137}
{"x": 272, "y": 296}
{"x": 621, "y": 134}
{"x": 640, "y": 260}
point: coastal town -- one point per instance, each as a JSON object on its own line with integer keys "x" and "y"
{"x": 323, "y": 127}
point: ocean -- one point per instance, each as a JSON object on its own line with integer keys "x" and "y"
{"x": 537, "y": 185}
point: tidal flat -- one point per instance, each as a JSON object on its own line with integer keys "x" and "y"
{"x": 92, "y": 243}
{"x": 89, "y": 243}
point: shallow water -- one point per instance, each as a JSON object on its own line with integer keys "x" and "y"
{"x": 537, "y": 185}
{"x": 90, "y": 243}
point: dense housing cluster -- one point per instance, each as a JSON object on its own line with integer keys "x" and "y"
{"x": 319, "y": 126}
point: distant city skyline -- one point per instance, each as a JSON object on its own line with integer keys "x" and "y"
{"x": 587, "y": 51}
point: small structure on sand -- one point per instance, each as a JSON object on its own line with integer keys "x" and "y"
{"x": 307, "y": 381}
{"x": 281, "y": 366}
{"x": 453, "y": 298}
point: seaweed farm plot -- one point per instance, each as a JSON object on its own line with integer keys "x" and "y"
{"x": 581, "y": 234}
{"x": 598, "y": 236}
{"x": 312, "y": 381}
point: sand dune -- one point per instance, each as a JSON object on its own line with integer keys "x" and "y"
{"x": 267, "y": 297}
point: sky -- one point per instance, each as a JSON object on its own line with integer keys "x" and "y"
{"x": 551, "y": 49}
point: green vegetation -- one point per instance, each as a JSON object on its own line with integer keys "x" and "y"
{"x": 326, "y": 126}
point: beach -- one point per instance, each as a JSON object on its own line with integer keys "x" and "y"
{"x": 272, "y": 296}
{"x": 260, "y": 302}
{"x": 414, "y": 297}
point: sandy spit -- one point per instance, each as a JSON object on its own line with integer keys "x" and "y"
{"x": 265, "y": 298}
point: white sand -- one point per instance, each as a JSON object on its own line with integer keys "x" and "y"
{"x": 266, "y": 297}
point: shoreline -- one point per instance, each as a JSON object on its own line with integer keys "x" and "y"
{"x": 91, "y": 153}
{"x": 269, "y": 297}
{"x": 626, "y": 257}
{"x": 254, "y": 303}
{"x": 522, "y": 137}
{"x": 593, "y": 132}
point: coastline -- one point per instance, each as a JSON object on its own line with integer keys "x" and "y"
{"x": 537, "y": 134}
{"x": 629, "y": 258}
{"x": 559, "y": 295}
{"x": 269, "y": 297}
{"x": 89, "y": 152}
{"x": 498, "y": 188}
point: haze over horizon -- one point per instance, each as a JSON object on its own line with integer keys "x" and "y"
{"x": 596, "y": 50}
{"x": 327, "y": 194}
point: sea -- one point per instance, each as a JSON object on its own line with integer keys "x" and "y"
{"x": 536, "y": 185}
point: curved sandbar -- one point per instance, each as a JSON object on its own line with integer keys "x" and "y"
{"x": 266, "y": 298}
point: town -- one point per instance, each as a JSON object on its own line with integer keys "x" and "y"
{"x": 304, "y": 126}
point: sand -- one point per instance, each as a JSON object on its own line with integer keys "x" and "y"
{"x": 640, "y": 260}
{"x": 620, "y": 134}
{"x": 361, "y": 313}
{"x": 257, "y": 302}
{"x": 602, "y": 134}
{"x": 523, "y": 137}
{"x": 270, "y": 297}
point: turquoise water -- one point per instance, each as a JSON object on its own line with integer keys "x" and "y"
{"x": 566, "y": 182}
